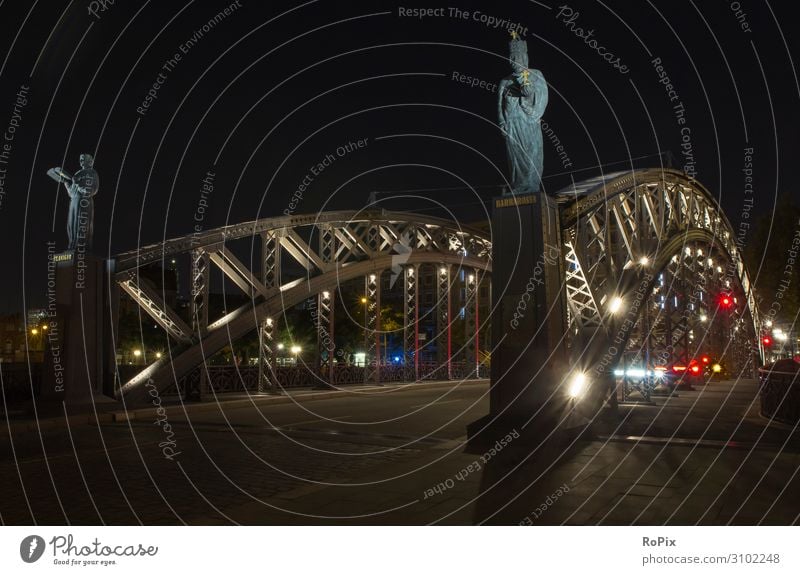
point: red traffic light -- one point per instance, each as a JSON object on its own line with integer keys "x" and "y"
{"x": 705, "y": 359}
{"x": 725, "y": 301}
{"x": 766, "y": 340}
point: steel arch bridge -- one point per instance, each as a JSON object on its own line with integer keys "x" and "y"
{"x": 645, "y": 255}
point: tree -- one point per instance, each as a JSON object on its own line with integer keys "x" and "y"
{"x": 771, "y": 255}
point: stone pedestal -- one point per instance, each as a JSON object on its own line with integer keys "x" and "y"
{"x": 76, "y": 357}
{"x": 529, "y": 323}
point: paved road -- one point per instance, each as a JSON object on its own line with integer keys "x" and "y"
{"x": 389, "y": 457}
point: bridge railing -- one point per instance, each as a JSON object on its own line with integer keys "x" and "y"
{"x": 240, "y": 379}
{"x": 780, "y": 391}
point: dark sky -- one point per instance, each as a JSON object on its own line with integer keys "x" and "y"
{"x": 276, "y": 86}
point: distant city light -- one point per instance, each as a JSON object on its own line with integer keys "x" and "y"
{"x": 137, "y": 353}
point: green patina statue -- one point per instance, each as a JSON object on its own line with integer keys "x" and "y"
{"x": 521, "y": 103}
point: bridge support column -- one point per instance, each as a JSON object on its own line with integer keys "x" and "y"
{"x": 529, "y": 360}
{"x": 75, "y": 361}
{"x": 326, "y": 347}
{"x": 372, "y": 335}
{"x": 471, "y": 326}
{"x": 271, "y": 259}
{"x": 411, "y": 323}
{"x": 200, "y": 271}
{"x": 444, "y": 342}
{"x": 267, "y": 382}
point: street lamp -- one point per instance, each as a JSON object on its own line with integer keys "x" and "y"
{"x": 295, "y": 349}
{"x": 577, "y": 384}
{"x": 615, "y": 305}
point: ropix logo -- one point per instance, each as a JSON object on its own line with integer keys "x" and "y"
{"x": 31, "y": 548}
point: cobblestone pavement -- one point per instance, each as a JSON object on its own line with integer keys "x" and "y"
{"x": 704, "y": 457}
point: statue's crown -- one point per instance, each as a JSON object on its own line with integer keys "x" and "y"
{"x": 517, "y": 46}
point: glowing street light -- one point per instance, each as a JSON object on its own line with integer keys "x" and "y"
{"x": 34, "y": 331}
{"x": 281, "y": 346}
{"x": 137, "y": 353}
{"x": 364, "y": 300}
{"x": 577, "y": 384}
{"x": 615, "y": 305}
{"x": 295, "y": 349}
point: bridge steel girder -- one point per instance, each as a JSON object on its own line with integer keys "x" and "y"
{"x": 372, "y": 327}
{"x": 271, "y": 259}
{"x": 326, "y": 347}
{"x": 267, "y": 381}
{"x": 239, "y": 323}
{"x": 618, "y": 229}
{"x": 147, "y": 299}
{"x": 472, "y": 325}
{"x": 200, "y": 271}
{"x": 444, "y": 337}
{"x": 411, "y": 321}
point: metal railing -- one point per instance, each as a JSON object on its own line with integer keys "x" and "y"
{"x": 240, "y": 379}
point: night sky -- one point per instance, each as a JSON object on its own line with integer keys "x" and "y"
{"x": 273, "y": 88}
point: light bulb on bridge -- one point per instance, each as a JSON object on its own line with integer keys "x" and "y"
{"x": 577, "y": 384}
{"x": 615, "y": 305}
